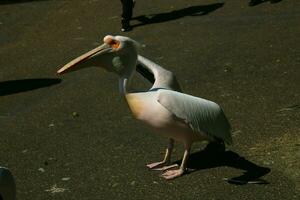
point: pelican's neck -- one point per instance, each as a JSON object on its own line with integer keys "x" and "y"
{"x": 128, "y": 67}
{"x": 123, "y": 82}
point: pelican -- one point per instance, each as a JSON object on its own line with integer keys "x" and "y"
{"x": 171, "y": 113}
{"x": 7, "y": 185}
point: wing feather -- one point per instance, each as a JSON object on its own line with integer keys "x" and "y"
{"x": 202, "y": 115}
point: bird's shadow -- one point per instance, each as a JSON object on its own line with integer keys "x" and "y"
{"x": 263, "y": 1}
{"x": 209, "y": 158}
{"x": 176, "y": 14}
{"x": 23, "y": 85}
{"x": 17, "y": 1}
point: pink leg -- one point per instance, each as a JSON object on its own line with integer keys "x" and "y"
{"x": 166, "y": 161}
{"x": 171, "y": 174}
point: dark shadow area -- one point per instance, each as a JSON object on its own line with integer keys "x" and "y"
{"x": 211, "y": 158}
{"x": 257, "y": 2}
{"x": 145, "y": 73}
{"x": 176, "y": 14}
{"x": 17, "y": 86}
{"x": 18, "y": 1}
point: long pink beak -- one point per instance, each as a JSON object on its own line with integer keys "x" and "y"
{"x": 99, "y": 49}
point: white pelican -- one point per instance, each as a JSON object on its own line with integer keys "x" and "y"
{"x": 7, "y": 185}
{"x": 176, "y": 115}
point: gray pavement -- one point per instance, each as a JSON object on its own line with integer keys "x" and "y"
{"x": 73, "y": 137}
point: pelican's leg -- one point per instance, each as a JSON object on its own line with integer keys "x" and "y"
{"x": 170, "y": 174}
{"x": 163, "y": 165}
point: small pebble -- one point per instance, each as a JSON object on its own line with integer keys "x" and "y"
{"x": 66, "y": 179}
{"x": 41, "y": 170}
{"x": 227, "y": 69}
{"x": 25, "y": 151}
{"x": 54, "y": 189}
{"x": 115, "y": 185}
{"x": 75, "y": 114}
{"x": 132, "y": 183}
{"x": 268, "y": 162}
{"x": 114, "y": 17}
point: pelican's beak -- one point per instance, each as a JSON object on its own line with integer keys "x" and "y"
{"x": 104, "y": 48}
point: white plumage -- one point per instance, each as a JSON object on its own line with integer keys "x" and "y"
{"x": 203, "y": 116}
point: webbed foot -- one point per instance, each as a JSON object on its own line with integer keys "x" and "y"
{"x": 171, "y": 174}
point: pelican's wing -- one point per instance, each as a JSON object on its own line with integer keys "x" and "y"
{"x": 162, "y": 77}
{"x": 201, "y": 115}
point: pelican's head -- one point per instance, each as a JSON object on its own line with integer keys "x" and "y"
{"x": 117, "y": 54}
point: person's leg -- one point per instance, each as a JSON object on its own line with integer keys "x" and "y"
{"x": 127, "y": 6}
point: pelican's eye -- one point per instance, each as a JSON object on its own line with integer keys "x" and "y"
{"x": 115, "y": 44}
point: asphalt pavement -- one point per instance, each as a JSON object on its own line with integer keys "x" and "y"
{"x": 73, "y": 137}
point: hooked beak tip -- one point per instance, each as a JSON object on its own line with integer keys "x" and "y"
{"x": 60, "y": 71}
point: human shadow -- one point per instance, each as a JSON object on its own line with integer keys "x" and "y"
{"x": 23, "y": 85}
{"x": 176, "y": 14}
{"x": 257, "y": 2}
{"x": 17, "y": 1}
{"x": 211, "y": 158}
